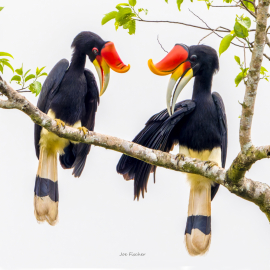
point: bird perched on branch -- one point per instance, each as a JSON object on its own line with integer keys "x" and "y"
{"x": 70, "y": 96}
{"x": 198, "y": 125}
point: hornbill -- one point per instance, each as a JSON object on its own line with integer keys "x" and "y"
{"x": 70, "y": 96}
{"x": 198, "y": 125}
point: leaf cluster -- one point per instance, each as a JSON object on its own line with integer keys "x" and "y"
{"x": 240, "y": 30}
{"x": 124, "y": 16}
{"x": 5, "y": 61}
{"x": 244, "y": 71}
{"x": 22, "y": 78}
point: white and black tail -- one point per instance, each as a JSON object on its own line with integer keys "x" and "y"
{"x": 198, "y": 227}
{"x": 202, "y": 191}
{"x": 46, "y": 188}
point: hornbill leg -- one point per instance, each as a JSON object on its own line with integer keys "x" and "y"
{"x": 60, "y": 123}
{"x": 210, "y": 164}
{"x": 84, "y": 130}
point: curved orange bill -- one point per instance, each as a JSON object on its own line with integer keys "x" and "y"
{"x": 107, "y": 59}
{"x": 171, "y": 61}
{"x": 174, "y": 63}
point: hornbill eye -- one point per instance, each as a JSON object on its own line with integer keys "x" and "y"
{"x": 95, "y": 51}
{"x": 193, "y": 58}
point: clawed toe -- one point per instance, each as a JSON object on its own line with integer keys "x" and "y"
{"x": 84, "y": 130}
{"x": 180, "y": 157}
{"x": 60, "y": 123}
{"x": 210, "y": 164}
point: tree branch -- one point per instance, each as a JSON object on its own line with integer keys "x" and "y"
{"x": 190, "y": 25}
{"x": 253, "y": 77}
{"x": 253, "y": 191}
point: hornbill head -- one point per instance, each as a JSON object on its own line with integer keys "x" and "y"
{"x": 102, "y": 54}
{"x": 183, "y": 63}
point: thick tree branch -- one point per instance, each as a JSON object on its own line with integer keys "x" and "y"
{"x": 253, "y": 77}
{"x": 253, "y": 191}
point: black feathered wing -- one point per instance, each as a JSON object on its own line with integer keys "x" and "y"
{"x": 157, "y": 135}
{"x": 222, "y": 119}
{"x": 49, "y": 89}
{"x": 76, "y": 154}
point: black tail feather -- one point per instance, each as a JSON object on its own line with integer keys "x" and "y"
{"x": 156, "y": 135}
{"x": 75, "y": 157}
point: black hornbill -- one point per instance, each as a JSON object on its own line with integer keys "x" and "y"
{"x": 70, "y": 96}
{"x": 198, "y": 125}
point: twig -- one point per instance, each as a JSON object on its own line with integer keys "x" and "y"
{"x": 27, "y": 91}
{"x": 208, "y": 34}
{"x": 244, "y": 50}
{"x": 186, "y": 24}
{"x": 224, "y": 6}
{"x": 213, "y": 30}
{"x": 191, "y": 25}
{"x": 249, "y": 11}
{"x": 161, "y": 45}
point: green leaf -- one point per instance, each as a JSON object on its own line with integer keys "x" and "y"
{"x": 26, "y": 72}
{"x": 16, "y": 78}
{"x": 237, "y": 59}
{"x": 1, "y": 69}
{"x": 109, "y": 16}
{"x": 38, "y": 71}
{"x": 238, "y": 78}
{"x": 246, "y": 22}
{"x": 1, "y": 8}
{"x": 249, "y": 6}
{"x": 123, "y": 12}
{"x": 132, "y": 2}
{"x": 116, "y": 24}
{"x": 166, "y": 1}
{"x": 123, "y": 16}
{"x": 43, "y": 74}
{"x": 142, "y": 9}
{"x": 19, "y": 71}
{"x": 266, "y": 79}
{"x": 119, "y": 6}
{"x": 3, "y": 60}
{"x": 179, "y": 2}
{"x": 35, "y": 87}
{"x": 263, "y": 70}
{"x": 225, "y": 43}
{"x": 29, "y": 77}
{"x": 132, "y": 27}
{"x": 5, "y": 54}
{"x": 8, "y": 65}
{"x": 240, "y": 30}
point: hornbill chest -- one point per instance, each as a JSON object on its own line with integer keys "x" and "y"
{"x": 200, "y": 129}
{"x": 68, "y": 104}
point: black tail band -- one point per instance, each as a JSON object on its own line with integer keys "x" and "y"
{"x": 203, "y": 223}
{"x": 46, "y": 187}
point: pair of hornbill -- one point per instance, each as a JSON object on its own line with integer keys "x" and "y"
{"x": 70, "y": 96}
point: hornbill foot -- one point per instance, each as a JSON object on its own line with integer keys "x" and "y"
{"x": 179, "y": 157}
{"x": 60, "y": 123}
{"x": 211, "y": 164}
{"x": 84, "y": 130}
